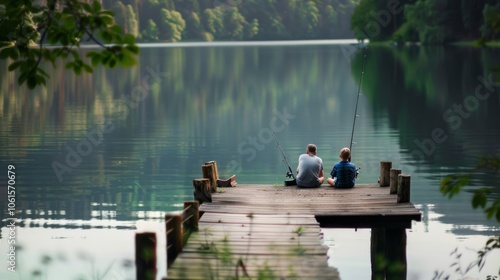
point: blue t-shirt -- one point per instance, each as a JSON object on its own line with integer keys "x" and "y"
{"x": 309, "y": 168}
{"x": 345, "y": 173}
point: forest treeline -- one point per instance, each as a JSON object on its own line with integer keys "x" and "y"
{"x": 426, "y": 21}
{"x": 207, "y": 20}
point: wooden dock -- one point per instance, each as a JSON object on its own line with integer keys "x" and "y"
{"x": 274, "y": 232}
{"x": 273, "y": 246}
{"x": 365, "y": 206}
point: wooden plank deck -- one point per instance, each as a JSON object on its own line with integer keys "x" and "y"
{"x": 364, "y": 206}
{"x": 287, "y": 246}
{"x": 276, "y": 229}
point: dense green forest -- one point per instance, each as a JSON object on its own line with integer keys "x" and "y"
{"x": 207, "y": 20}
{"x": 426, "y": 21}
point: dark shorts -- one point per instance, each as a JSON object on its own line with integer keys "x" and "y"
{"x": 307, "y": 187}
{"x": 343, "y": 187}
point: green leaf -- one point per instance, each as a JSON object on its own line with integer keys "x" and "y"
{"x": 106, "y": 57}
{"x": 96, "y": 6}
{"x": 22, "y": 78}
{"x": 15, "y": 65}
{"x": 77, "y": 69}
{"x": 32, "y": 82}
{"x": 68, "y": 22}
{"x": 96, "y": 59}
{"x": 86, "y": 7}
{"x": 42, "y": 73}
{"x": 14, "y": 53}
{"x": 87, "y": 68}
{"x": 129, "y": 39}
{"x": 75, "y": 55}
{"x": 478, "y": 200}
{"x": 134, "y": 49}
{"x": 106, "y": 36}
{"x": 112, "y": 62}
{"x": 107, "y": 19}
{"x": 116, "y": 29}
{"x": 5, "y": 53}
{"x": 451, "y": 185}
{"x": 40, "y": 80}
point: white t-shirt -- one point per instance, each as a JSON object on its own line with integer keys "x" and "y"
{"x": 309, "y": 168}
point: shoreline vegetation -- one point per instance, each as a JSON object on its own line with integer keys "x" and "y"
{"x": 402, "y": 22}
{"x": 117, "y": 26}
{"x": 233, "y": 20}
{"x": 430, "y": 22}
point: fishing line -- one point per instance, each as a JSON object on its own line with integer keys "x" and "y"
{"x": 357, "y": 99}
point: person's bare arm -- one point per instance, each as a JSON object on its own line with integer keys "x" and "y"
{"x": 320, "y": 173}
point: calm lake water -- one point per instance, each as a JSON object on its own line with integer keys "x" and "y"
{"x": 81, "y": 195}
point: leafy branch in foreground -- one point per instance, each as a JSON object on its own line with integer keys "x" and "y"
{"x": 453, "y": 184}
{"x": 63, "y": 24}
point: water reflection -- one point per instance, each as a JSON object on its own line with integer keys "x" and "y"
{"x": 183, "y": 106}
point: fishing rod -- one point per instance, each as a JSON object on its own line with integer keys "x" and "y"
{"x": 357, "y": 99}
{"x": 289, "y": 173}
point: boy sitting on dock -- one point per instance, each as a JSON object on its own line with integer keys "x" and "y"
{"x": 311, "y": 169}
{"x": 343, "y": 172}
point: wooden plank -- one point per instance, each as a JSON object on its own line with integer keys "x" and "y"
{"x": 328, "y": 202}
{"x": 260, "y": 225}
{"x": 281, "y": 265}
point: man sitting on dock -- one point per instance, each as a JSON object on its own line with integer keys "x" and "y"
{"x": 311, "y": 169}
{"x": 343, "y": 172}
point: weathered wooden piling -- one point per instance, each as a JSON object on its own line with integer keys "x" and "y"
{"x": 377, "y": 252}
{"x": 145, "y": 256}
{"x": 403, "y": 188}
{"x": 202, "y": 190}
{"x": 216, "y": 171}
{"x": 395, "y": 253}
{"x": 385, "y": 178}
{"x": 174, "y": 236}
{"x": 393, "y": 186}
{"x": 190, "y": 217}
{"x": 209, "y": 172}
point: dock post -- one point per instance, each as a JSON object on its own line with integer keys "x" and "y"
{"x": 209, "y": 173}
{"x": 396, "y": 253}
{"x": 403, "y": 188}
{"x": 216, "y": 171}
{"x": 173, "y": 225}
{"x": 190, "y": 217}
{"x": 377, "y": 253}
{"x": 393, "y": 186}
{"x": 202, "y": 190}
{"x": 385, "y": 168}
{"x": 145, "y": 256}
